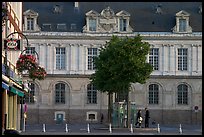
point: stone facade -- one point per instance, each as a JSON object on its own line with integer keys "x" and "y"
{"x": 76, "y": 74}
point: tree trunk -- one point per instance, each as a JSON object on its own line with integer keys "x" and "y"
{"x": 110, "y": 107}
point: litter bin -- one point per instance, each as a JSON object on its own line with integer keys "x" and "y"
{"x": 11, "y": 132}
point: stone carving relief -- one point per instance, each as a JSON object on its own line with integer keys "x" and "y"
{"x": 107, "y": 20}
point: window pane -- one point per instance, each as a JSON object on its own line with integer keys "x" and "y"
{"x": 60, "y": 58}
{"x": 153, "y": 94}
{"x": 154, "y": 58}
{"x": 91, "y": 94}
{"x": 182, "y": 25}
{"x": 92, "y": 24}
{"x": 92, "y": 52}
{"x": 60, "y": 93}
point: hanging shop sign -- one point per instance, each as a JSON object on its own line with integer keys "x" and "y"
{"x": 12, "y": 44}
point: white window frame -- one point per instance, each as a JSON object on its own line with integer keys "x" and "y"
{"x": 90, "y": 56}
{"x": 30, "y": 24}
{"x": 183, "y": 59}
{"x": 61, "y": 57}
{"x": 91, "y": 94}
{"x": 154, "y": 58}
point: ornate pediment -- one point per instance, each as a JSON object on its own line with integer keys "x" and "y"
{"x": 92, "y": 13}
{"x": 107, "y": 13}
{"x": 182, "y": 13}
{"x": 30, "y": 13}
{"x": 123, "y": 13}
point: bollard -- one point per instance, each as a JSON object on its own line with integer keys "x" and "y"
{"x": 43, "y": 127}
{"x": 88, "y": 130}
{"x": 158, "y": 128}
{"x": 66, "y": 129}
{"x": 110, "y": 128}
{"x": 180, "y": 129}
{"x": 131, "y": 129}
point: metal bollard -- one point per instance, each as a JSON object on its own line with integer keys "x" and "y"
{"x": 180, "y": 129}
{"x": 110, "y": 130}
{"x": 44, "y": 128}
{"x": 66, "y": 129}
{"x": 88, "y": 129}
{"x": 158, "y": 128}
{"x": 131, "y": 129}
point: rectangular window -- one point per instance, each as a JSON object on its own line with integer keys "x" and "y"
{"x": 182, "y": 58}
{"x": 60, "y": 58}
{"x": 61, "y": 27}
{"x": 123, "y": 24}
{"x": 29, "y": 98}
{"x": 60, "y": 93}
{"x": 154, "y": 58}
{"x": 30, "y": 23}
{"x": 46, "y": 27}
{"x": 92, "y": 24}
{"x": 91, "y": 94}
{"x": 153, "y": 94}
{"x": 92, "y": 53}
{"x": 73, "y": 26}
{"x": 183, "y": 94}
{"x": 30, "y": 50}
{"x": 182, "y": 25}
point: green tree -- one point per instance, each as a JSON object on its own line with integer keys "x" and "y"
{"x": 122, "y": 61}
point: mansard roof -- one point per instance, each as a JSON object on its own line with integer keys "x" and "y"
{"x": 143, "y": 15}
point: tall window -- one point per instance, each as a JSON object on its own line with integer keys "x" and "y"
{"x": 182, "y": 94}
{"x": 182, "y": 58}
{"x": 92, "y": 52}
{"x": 92, "y": 24}
{"x": 30, "y": 23}
{"x": 123, "y": 24}
{"x": 91, "y": 94}
{"x": 153, "y": 94}
{"x": 30, "y": 50}
{"x": 60, "y": 58}
{"x": 60, "y": 93}
{"x": 182, "y": 25}
{"x": 154, "y": 58}
{"x": 29, "y": 98}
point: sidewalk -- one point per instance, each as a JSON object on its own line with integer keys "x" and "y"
{"x": 101, "y": 129}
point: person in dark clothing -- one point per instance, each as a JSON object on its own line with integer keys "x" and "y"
{"x": 139, "y": 118}
{"x": 101, "y": 118}
{"x": 147, "y": 117}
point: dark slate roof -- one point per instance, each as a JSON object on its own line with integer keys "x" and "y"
{"x": 143, "y": 17}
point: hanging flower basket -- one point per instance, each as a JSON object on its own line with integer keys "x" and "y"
{"x": 38, "y": 73}
{"x": 26, "y": 62}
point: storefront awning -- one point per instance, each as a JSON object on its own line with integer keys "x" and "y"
{"x": 5, "y": 86}
{"x": 16, "y": 91}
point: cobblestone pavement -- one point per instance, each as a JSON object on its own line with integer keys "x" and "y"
{"x": 100, "y": 129}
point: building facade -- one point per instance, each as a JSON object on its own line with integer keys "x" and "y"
{"x": 13, "y": 88}
{"x": 66, "y": 35}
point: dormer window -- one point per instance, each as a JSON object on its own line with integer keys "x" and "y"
{"x": 123, "y": 24}
{"x": 30, "y": 21}
{"x": 182, "y": 23}
{"x": 92, "y": 24}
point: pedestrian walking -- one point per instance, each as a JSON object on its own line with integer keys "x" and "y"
{"x": 147, "y": 116}
{"x": 139, "y": 118}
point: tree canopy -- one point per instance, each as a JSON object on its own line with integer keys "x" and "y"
{"x": 121, "y": 61}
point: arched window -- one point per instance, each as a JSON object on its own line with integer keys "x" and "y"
{"x": 91, "y": 94}
{"x": 153, "y": 94}
{"x": 60, "y": 93}
{"x": 182, "y": 91}
{"x": 29, "y": 98}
